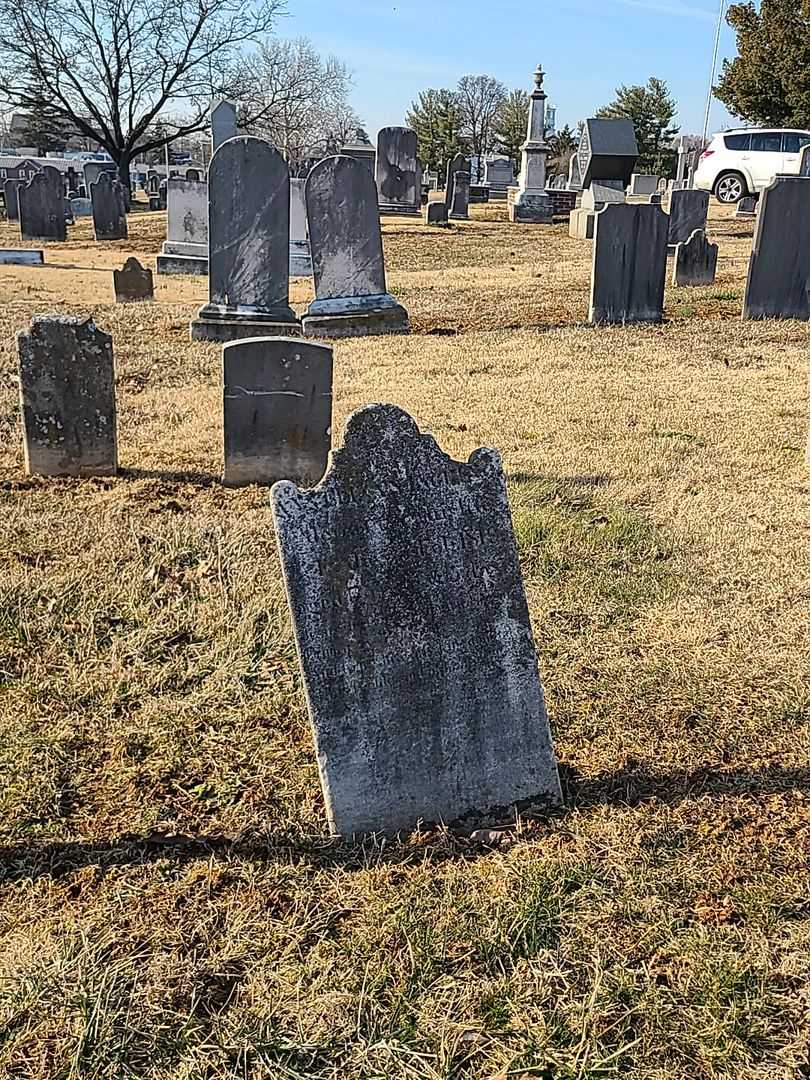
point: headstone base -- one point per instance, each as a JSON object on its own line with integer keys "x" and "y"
{"x": 181, "y": 247}
{"x": 220, "y": 324}
{"x": 399, "y": 210}
{"x": 531, "y": 209}
{"x": 21, "y": 257}
{"x": 183, "y": 264}
{"x": 355, "y": 317}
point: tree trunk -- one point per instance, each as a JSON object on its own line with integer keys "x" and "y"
{"x": 123, "y": 159}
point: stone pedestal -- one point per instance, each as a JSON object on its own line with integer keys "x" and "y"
{"x": 532, "y": 203}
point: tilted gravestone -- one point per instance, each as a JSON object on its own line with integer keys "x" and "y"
{"x": 607, "y": 150}
{"x": 399, "y": 174}
{"x": 248, "y": 242}
{"x": 109, "y": 208}
{"x": 42, "y": 206}
{"x": 223, "y": 122}
{"x": 629, "y": 264}
{"x": 347, "y": 254}
{"x": 435, "y": 213}
{"x": 778, "y": 285}
{"x": 277, "y": 410}
{"x": 300, "y": 256}
{"x": 695, "y": 261}
{"x": 459, "y": 163}
{"x": 688, "y": 211}
{"x": 133, "y": 283}
{"x": 413, "y": 633}
{"x": 11, "y": 190}
{"x": 460, "y": 206}
{"x": 185, "y": 249}
{"x": 67, "y": 391}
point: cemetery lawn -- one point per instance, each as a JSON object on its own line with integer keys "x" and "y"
{"x": 170, "y": 904}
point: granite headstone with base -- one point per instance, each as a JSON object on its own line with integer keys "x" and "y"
{"x": 460, "y": 205}
{"x": 413, "y": 634}
{"x": 778, "y": 285}
{"x": 435, "y": 213}
{"x": 399, "y": 174}
{"x": 133, "y": 283}
{"x": 277, "y": 410}
{"x": 459, "y": 163}
{"x": 42, "y": 206}
{"x": 249, "y": 244}
{"x": 629, "y": 264}
{"x": 185, "y": 249}
{"x": 695, "y": 261}
{"x": 67, "y": 393}
{"x": 347, "y": 254}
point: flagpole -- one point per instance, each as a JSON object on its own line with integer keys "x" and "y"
{"x": 720, "y": 14}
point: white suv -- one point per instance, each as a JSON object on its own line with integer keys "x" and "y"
{"x": 745, "y": 161}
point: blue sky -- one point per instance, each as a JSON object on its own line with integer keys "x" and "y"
{"x": 587, "y": 48}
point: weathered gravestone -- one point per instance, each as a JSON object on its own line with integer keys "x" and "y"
{"x": 193, "y": 175}
{"x": 435, "y": 213}
{"x": 249, "y": 244}
{"x": 133, "y": 283}
{"x": 399, "y": 174}
{"x": 695, "y": 261}
{"x": 42, "y": 206}
{"x": 223, "y": 122}
{"x": 185, "y": 249}
{"x": 347, "y": 255}
{"x": 92, "y": 170}
{"x": 460, "y": 206}
{"x": 300, "y": 256}
{"x": 81, "y": 207}
{"x": 607, "y": 150}
{"x": 10, "y": 194}
{"x": 67, "y": 391}
{"x": 629, "y": 264}
{"x": 574, "y": 175}
{"x": 361, "y": 149}
{"x": 163, "y": 197}
{"x": 109, "y": 208}
{"x": 413, "y": 633}
{"x": 688, "y": 211}
{"x": 499, "y": 176}
{"x": 778, "y": 285}
{"x": 459, "y": 163}
{"x": 643, "y": 184}
{"x": 746, "y": 207}
{"x": 277, "y": 410}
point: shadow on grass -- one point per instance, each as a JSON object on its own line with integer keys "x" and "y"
{"x": 626, "y": 788}
{"x": 201, "y": 479}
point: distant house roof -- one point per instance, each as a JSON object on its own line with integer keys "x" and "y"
{"x": 15, "y": 161}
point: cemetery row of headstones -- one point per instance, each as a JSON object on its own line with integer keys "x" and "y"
{"x": 43, "y": 210}
{"x": 432, "y": 660}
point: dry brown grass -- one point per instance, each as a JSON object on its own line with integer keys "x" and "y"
{"x": 171, "y": 907}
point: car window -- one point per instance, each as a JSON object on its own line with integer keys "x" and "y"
{"x": 769, "y": 142}
{"x": 738, "y": 142}
{"x": 793, "y": 141}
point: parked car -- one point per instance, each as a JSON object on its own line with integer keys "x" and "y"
{"x": 745, "y": 161}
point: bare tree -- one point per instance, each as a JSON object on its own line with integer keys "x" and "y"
{"x": 290, "y": 94}
{"x": 480, "y": 99}
{"x": 110, "y": 68}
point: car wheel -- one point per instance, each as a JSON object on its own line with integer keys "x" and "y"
{"x": 730, "y": 188}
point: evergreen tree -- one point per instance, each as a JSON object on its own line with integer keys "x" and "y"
{"x": 652, "y": 111}
{"x": 768, "y": 82}
{"x": 436, "y": 118}
{"x": 512, "y": 123}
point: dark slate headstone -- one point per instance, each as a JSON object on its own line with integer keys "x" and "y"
{"x": 695, "y": 261}
{"x": 67, "y": 391}
{"x": 460, "y": 206}
{"x": 459, "y": 163}
{"x": 607, "y": 150}
{"x": 42, "y": 206}
{"x": 688, "y": 211}
{"x": 248, "y": 243}
{"x": 746, "y": 207}
{"x": 778, "y": 285}
{"x": 277, "y": 409}
{"x": 347, "y": 255}
{"x": 10, "y": 192}
{"x": 435, "y": 213}
{"x": 413, "y": 633}
{"x": 92, "y": 170}
{"x": 629, "y": 264}
{"x": 109, "y": 208}
{"x": 399, "y": 174}
{"x": 133, "y": 283}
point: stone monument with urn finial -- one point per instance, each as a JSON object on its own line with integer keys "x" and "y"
{"x": 529, "y": 201}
